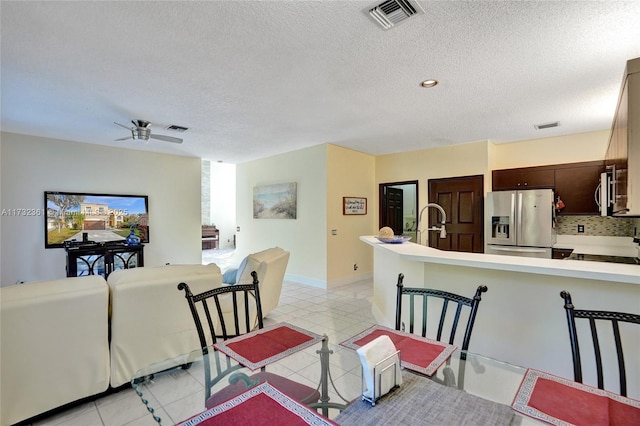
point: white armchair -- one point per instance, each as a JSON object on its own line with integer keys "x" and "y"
{"x": 270, "y": 265}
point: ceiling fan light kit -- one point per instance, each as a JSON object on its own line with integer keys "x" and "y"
{"x": 141, "y": 130}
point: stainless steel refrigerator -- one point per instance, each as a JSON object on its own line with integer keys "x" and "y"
{"x": 520, "y": 223}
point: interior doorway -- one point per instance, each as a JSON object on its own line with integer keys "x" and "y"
{"x": 399, "y": 207}
{"x": 462, "y": 198}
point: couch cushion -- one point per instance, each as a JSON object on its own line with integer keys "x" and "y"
{"x": 230, "y": 276}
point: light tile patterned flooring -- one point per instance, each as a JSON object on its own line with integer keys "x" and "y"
{"x": 339, "y": 313}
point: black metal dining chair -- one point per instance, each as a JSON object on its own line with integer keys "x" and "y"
{"x": 420, "y": 309}
{"x": 423, "y": 295}
{"x": 595, "y": 317}
{"x": 245, "y": 301}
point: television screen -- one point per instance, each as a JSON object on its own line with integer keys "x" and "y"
{"x": 98, "y": 218}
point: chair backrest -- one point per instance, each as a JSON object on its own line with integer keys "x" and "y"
{"x": 615, "y": 318}
{"x": 423, "y": 295}
{"x": 221, "y": 325}
{"x": 270, "y": 264}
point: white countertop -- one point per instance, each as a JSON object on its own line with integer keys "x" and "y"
{"x": 604, "y": 271}
{"x": 606, "y": 246}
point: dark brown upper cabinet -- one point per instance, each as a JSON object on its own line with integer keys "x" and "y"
{"x": 576, "y": 186}
{"x": 523, "y": 178}
{"x": 575, "y": 183}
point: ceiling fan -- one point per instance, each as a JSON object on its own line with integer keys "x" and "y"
{"x": 142, "y": 130}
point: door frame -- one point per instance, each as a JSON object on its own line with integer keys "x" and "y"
{"x": 382, "y": 205}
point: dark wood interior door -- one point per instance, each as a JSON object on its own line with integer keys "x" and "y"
{"x": 395, "y": 205}
{"x": 462, "y": 198}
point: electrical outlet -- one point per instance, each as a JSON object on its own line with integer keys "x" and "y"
{"x": 580, "y": 229}
{"x": 355, "y": 266}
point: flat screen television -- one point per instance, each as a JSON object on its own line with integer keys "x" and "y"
{"x": 100, "y": 218}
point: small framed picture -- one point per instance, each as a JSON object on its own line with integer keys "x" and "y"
{"x": 354, "y": 205}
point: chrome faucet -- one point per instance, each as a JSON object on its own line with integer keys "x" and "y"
{"x": 443, "y": 231}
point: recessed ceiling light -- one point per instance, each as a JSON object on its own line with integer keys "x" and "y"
{"x": 429, "y": 83}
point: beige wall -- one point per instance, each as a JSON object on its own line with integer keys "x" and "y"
{"x": 306, "y": 236}
{"x": 32, "y": 165}
{"x": 458, "y": 160}
{"x": 563, "y": 149}
{"x": 349, "y": 174}
{"x": 324, "y": 174}
{"x": 483, "y": 157}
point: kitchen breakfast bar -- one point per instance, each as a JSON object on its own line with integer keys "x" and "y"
{"x": 521, "y": 318}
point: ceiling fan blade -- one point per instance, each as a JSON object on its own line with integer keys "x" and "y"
{"x": 123, "y": 139}
{"x": 166, "y": 138}
{"x": 122, "y": 125}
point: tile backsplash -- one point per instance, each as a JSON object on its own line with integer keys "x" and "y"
{"x": 598, "y": 226}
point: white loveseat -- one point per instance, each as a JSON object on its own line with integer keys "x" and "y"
{"x": 54, "y": 335}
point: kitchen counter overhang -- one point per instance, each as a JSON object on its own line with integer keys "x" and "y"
{"x": 561, "y": 268}
{"x": 521, "y": 318}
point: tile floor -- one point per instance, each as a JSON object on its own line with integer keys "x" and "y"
{"x": 339, "y": 313}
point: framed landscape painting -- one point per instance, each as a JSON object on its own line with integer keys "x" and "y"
{"x": 278, "y": 201}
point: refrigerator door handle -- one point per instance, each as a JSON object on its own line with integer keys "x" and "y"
{"x": 519, "y": 217}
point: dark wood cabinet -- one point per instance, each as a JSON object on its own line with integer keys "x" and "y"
{"x": 561, "y": 253}
{"x": 623, "y": 153}
{"x": 523, "y": 178}
{"x": 102, "y": 259}
{"x": 576, "y": 186}
{"x": 575, "y": 183}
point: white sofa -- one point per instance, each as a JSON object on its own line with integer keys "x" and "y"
{"x": 150, "y": 318}
{"x": 54, "y": 344}
{"x": 54, "y": 337}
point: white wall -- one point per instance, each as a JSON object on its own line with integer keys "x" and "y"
{"x": 306, "y": 236}
{"x": 32, "y": 165}
{"x": 223, "y": 202}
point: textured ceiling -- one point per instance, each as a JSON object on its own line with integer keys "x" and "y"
{"x": 254, "y": 79}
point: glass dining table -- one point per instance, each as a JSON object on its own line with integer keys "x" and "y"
{"x": 173, "y": 389}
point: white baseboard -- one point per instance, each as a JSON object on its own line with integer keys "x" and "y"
{"x": 329, "y": 284}
{"x": 306, "y": 281}
{"x": 350, "y": 279}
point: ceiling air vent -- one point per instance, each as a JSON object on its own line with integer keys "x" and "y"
{"x": 175, "y": 128}
{"x": 546, "y": 125}
{"x": 391, "y": 12}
